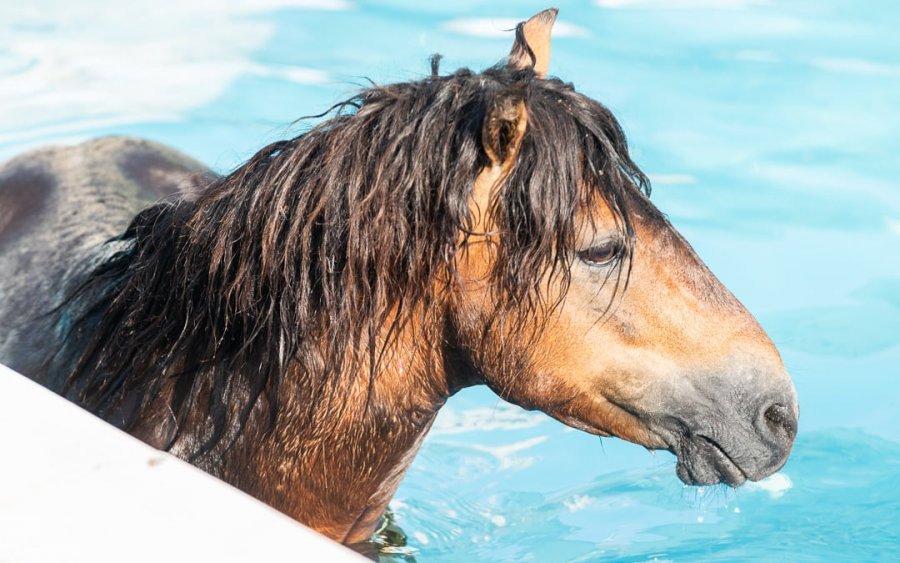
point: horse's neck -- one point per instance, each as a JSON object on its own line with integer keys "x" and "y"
{"x": 339, "y": 481}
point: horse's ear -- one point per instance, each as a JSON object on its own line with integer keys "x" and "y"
{"x": 531, "y": 48}
{"x": 504, "y": 126}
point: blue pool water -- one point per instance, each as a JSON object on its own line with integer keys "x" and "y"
{"x": 771, "y": 132}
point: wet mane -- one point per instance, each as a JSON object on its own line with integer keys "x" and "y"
{"x": 304, "y": 254}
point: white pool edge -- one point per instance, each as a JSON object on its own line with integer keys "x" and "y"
{"x": 74, "y": 488}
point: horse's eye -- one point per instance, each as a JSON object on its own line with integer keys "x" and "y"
{"x": 601, "y": 254}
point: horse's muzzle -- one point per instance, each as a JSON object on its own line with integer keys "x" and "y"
{"x": 731, "y": 436}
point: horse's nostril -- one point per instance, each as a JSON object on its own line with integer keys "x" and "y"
{"x": 780, "y": 421}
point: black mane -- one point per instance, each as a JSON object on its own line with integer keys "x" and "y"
{"x": 302, "y": 254}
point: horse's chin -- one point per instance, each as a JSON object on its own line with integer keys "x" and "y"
{"x": 702, "y": 461}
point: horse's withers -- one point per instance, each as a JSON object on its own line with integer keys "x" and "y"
{"x": 58, "y": 208}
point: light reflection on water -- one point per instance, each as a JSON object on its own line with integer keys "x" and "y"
{"x": 835, "y": 500}
{"x": 770, "y": 130}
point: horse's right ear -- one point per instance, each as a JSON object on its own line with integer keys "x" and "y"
{"x": 504, "y": 126}
{"x": 531, "y": 48}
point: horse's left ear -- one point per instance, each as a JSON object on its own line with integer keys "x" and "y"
{"x": 504, "y": 126}
{"x": 531, "y": 48}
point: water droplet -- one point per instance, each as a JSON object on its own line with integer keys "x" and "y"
{"x": 421, "y": 537}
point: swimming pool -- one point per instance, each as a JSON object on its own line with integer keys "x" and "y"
{"x": 770, "y": 131}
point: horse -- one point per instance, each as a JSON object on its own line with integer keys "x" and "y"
{"x": 294, "y": 326}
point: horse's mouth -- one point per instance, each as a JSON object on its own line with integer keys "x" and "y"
{"x": 702, "y": 461}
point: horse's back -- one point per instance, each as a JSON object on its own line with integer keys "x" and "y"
{"x": 58, "y": 205}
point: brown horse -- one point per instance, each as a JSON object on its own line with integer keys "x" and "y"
{"x": 294, "y": 327}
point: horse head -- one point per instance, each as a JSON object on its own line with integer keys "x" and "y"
{"x": 578, "y": 298}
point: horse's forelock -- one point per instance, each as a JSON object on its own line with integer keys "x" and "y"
{"x": 574, "y": 157}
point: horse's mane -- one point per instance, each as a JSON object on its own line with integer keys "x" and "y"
{"x": 310, "y": 248}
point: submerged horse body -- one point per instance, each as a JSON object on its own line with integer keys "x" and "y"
{"x": 293, "y": 327}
